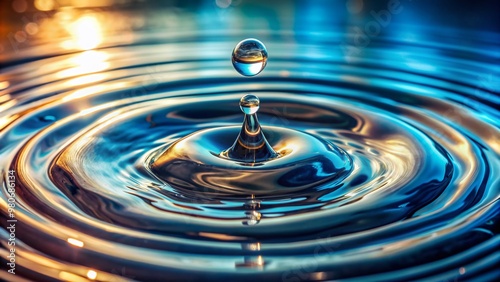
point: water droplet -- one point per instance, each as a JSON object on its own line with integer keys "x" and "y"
{"x": 249, "y": 57}
{"x": 249, "y": 104}
{"x": 251, "y": 145}
{"x": 212, "y": 162}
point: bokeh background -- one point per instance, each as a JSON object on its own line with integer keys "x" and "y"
{"x": 83, "y": 25}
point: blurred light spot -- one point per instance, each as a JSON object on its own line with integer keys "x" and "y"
{"x": 31, "y": 28}
{"x": 354, "y": 6}
{"x": 19, "y": 6}
{"x": 256, "y": 247}
{"x": 260, "y": 261}
{"x": 86, "y": 33}
{"x": 251, "y": 246}
{"x": 44, "y": 5}
{"x": 4, "y": 84}
{"x": 91, "y": 274}
{"x": 223, "y": 3}
{"x": 92, "y": 3}
{"x": 75, "y": 242}
{"x": 65, "y": 14}
{"x": 284, "y": 73}
{"x": 20, "y": 36}
{"x": 462, "y": 270}
{"x": 4, "y": 121}
{"x": 318, "y": 276}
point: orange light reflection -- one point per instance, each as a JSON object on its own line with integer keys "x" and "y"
{"x": 86, "y": 34}
{"x": 75, "y": 242}
{"x": 85, "y": 63}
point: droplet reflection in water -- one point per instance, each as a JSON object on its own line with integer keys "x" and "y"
{"x": 249, "y": 57}
{"x": 253, "y": 217}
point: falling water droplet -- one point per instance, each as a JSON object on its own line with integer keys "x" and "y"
{"x": 249, "y": 57}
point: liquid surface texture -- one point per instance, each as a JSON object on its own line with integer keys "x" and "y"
{"x": 408, "y": 188}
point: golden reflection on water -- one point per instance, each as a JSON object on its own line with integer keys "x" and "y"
{"x": 67, "y": 25}
{"x": 86, "y": 34}
{"x": 91, "y": 274}
{"x": 4, "y": 85}
{"x": 83, "y": 63}
{"x": 44, "y": 5}
{"x": 84, "y": 92}
{"x": 48, "y": 5}
{"x": 66, "y": 276}
{"x": 75, "y": 242}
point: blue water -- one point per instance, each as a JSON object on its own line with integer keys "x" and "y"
{"x": 416, "y": 124}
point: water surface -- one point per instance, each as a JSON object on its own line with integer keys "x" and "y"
{"x": 418, "y": 120}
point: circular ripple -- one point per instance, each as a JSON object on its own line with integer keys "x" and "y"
{"x": 421, "y": 201}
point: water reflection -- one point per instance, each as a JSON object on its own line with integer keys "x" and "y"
{"x": 92, "y": 275}
{"x": 86, "y": 34}
{"x": 4, "y": 85}
{"x": 84, "y": 63}
{"x": 416, "y": 109}
{"x": 75, "y": 242}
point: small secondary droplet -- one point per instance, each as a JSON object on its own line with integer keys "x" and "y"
{"x": 249, "y": 57}
{"x": 249, "y": 104}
